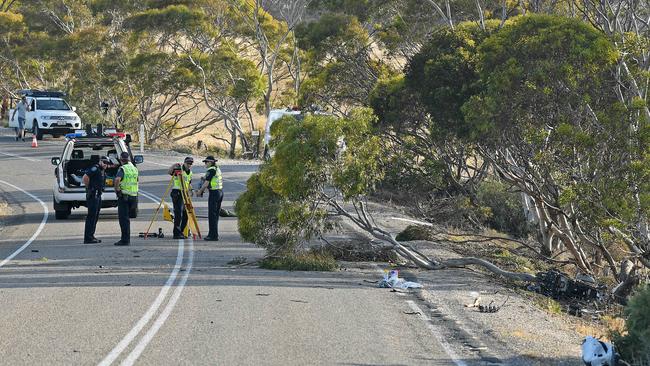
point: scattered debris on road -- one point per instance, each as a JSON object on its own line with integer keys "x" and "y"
{"x": 392, "y": 280}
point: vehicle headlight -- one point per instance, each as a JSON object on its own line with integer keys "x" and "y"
{"x": 45, "y": 117}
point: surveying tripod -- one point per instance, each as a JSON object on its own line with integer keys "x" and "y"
{"x": 192, "y": 222}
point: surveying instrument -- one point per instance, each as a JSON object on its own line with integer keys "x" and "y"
{"x": 192, "y": 222}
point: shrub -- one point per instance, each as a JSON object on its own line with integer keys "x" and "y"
{"x": 505, "y": 210}
{"x": 414, "y": 232}
{"x": 634, "y": 346}
{"x": 301, "y": 262}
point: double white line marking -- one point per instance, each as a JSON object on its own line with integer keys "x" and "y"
{"x": 162, "y": 317}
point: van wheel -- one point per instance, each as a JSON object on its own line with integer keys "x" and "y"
{"x": 37, "y": 131}
{"x": 61, "y": 210}
{"x": 62, "y": 214}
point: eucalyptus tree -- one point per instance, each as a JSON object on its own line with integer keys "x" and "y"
{"x": 537, "y": 118}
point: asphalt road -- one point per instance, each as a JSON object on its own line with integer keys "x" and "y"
{"x": 173, "y": 302}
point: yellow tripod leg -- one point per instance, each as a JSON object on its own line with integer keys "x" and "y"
{"x": 162, "y": 199}
{"x": 189, "y": 209}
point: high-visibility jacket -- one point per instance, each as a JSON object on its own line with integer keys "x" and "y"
{"x": 129, "y": 183}
{"x": 187, "y": 177}
{"x": 217, "y": 181}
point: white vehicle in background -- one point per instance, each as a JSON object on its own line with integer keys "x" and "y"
{"x": 47, "y": 113}
{"x": 274, "y": 115}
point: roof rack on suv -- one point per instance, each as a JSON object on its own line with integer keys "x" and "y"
{"x": 41, "y": 93}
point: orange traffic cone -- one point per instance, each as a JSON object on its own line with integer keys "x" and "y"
{"x": 34, "y": 142}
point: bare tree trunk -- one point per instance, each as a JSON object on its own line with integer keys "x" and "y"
{"x": 233, "y": 143}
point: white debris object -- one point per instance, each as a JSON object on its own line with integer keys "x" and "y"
{"x": 598, "y": 353}
{"x": 392, "y": 280}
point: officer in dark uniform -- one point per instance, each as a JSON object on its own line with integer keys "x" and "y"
{"x": 214, "y": 183}
{"x": 126, "y": 190}
{"x": 94, "y": 182}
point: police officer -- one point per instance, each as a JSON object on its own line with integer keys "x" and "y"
{"x": 180, "y": 214}
{"x": 94, "y": 182}
{"x": 214, "y": 183}
{"x": 126, "y": 189}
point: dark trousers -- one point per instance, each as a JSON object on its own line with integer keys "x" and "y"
{"x": 94, "y": 204}
{"x": 180, "y": 215}
{"x": 214, "y": 206}
{"x": 124, "y": 205}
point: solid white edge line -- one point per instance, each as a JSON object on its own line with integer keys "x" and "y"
{"x": 128, "y": 338}
{"x": 20, "y": 157}
{"x": 144, "y": 341}
{"x": 36, "y": 233}
{"x": 436, "y": 334}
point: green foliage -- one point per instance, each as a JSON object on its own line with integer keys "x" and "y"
{"x": 536, "y": 71}
{"x": 301, "y": 262}
{"x": 445, "y": 73}
{"x": 10, "y": 22}
{"x": 324, "y": 150}
{"x": 505, "y": 211}
{"x": 635, "y": 345}
{"x": 258, "y": 209}
{"x": 358, "y": 8}
{"x": 171, "y": 19}
{"x": 330, "y": 32}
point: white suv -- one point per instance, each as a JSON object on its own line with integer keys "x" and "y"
{"x": 47, "y": 113}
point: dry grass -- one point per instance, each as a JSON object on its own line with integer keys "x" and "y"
{"x": 603, "y": 329}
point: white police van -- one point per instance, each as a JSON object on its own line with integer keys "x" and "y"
{"x": 81, "y": 151}
{"x": 47, "y": 113}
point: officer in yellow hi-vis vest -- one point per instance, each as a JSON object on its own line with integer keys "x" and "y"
{"x": 126, "y": 189}
{"x": 180, "y": 215}
{"x": 213, "y": 182}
